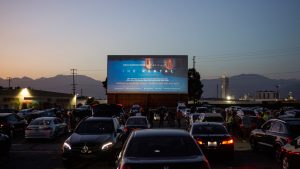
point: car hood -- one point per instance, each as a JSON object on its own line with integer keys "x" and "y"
{"x": 84, "y": 139}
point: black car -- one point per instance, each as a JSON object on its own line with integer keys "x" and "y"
{"x": 214, "y": 139}
{"x": 135, "y": 123}
{"x": 93, "y": 138}
{"x": 161, "y": 149}
{"x": 275, "y": 133}
{"x": 291, "y": 155}
{"x": 10, "y": 124}
{"x": 4, "y": 144}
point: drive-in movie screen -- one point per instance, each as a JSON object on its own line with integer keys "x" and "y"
{"x": 147, "y": 74}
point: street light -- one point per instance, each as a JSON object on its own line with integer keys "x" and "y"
{"x": 277, "y": 91}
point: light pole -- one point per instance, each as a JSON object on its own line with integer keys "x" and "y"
{"x": 277, "y": 91}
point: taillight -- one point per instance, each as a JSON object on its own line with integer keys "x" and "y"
{"x": 227, "y": 141}
{"x": 124, "y": 166}
{"x": 289, "y": 140}
{"x": 125, "y": 129}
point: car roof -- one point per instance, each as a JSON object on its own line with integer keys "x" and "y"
{"x": 207, "y": 123}
{"x": 286, "y": 120}
{"x": 45, "y": 118}
{"x": 5, "y": 114}
{"x": 160, "y": 132}
{"x": 137, "y": 117}
{"x": 92, "y": 118}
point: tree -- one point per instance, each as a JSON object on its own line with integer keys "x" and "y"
{"x": 104, "y": 84}
{"x": 194, "y": 84}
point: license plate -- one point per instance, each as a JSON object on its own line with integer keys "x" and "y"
{"x": 212, "y": 144}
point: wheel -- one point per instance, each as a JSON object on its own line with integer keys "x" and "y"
{"x": 253, "y": 145}
{"x": 285, "y": 163}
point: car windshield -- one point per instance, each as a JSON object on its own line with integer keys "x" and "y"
{"x": 136, "y": 121}
{"x": 213, "y": 119}
{"x": 209, "y": 129}
{"x": 174, "y": 146}
{"x": 41, "y": 122}
{"x": 95, "y": 127}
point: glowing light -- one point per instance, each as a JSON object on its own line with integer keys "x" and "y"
{"x": 228, "y": 97}
{"x": 25, "y": 92}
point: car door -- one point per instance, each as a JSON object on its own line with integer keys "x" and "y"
{"x": 262, "y": 134}
{"x": 60, "y": 126}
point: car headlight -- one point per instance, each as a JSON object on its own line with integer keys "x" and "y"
{"x": 66, "y": 146}
{"x": 107, "y": 146}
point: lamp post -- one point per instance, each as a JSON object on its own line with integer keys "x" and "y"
{"x": 277, "y": 91}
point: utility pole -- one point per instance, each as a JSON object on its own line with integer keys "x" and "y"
{"x": 217, "y": 91}
{"x": 9, "y": 80}
{"x": 74, "y": 72}
{"x": 194, "y": 62}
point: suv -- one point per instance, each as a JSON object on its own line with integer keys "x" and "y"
{"x": 274, "y": 134}
{"x": 93, "y": 138}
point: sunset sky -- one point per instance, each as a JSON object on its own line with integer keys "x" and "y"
{"x": 40, "y": 38}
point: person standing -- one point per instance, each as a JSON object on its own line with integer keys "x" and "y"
{"x": 178, "y": 118}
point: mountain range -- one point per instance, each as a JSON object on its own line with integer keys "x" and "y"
{"x": 238, "y": 85}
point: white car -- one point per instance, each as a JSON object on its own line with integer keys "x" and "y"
{"x": 45, "y": 127}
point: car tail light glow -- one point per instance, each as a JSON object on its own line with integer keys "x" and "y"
{"x": 227, "y": 141}
{"x": 125, "y": 129}
{"x": 124, "y": 166}
{"x": 200, "y": 142}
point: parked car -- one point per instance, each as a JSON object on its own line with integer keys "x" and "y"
{"x": 45, "y": 127}
{"x": 5, "y": 144}
{"x": 164, "y": 149}
{"x": 274, "y": 134}
{"x": 11, "y": 124}
{"x": 214, "y": 139}
{"x": 290, "y": 114}
{"x": 212, "y": 117}
{"x": 291, "y": 155}
{"x": 135, "y": 123}
{"x": 93, "y": 138}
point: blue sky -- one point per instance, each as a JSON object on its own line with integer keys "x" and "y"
{"x": 46, "y": 38}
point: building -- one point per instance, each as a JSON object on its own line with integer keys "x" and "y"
{"x": 224, "y": 87}
{"x": 266, "y": 95}
{"x": 21, "y": 98}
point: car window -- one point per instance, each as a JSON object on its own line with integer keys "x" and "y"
{"x": 266, "y": 126}
{"x": 209, "y": 129}
{"x": 12, "y": 117}
{"x": 166, "y": 147}
{"x": 276, "y": 127}
{"x": 40, "y": 122}
{"x": 213, "y": 119}
{"x": 136, "y": 121}
{"x": 95, "y": 127}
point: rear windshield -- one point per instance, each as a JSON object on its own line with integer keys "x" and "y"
{"x": 136, "y": 121}
{"x": 40, "y": 122}
{"x": 213, "y": 119}
{"x": 95, "y": 127}
{"x": 174, "y": 146}
{"x": 209, "y": 129}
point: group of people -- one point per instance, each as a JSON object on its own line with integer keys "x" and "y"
{"x": 170, "y": 117}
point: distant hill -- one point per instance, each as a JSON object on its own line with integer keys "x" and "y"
{"x": 62, "y": 84}
{"x": 239, "y": 85}
{"x": 249, "y": 84}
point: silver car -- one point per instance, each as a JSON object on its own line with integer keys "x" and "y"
{"x": 45, "y": 127}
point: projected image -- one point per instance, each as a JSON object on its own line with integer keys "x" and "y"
{"x": 147, "y": 74}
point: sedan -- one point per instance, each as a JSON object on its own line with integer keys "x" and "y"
{"x": 161, "y": 149}
{"x": 213, "y": 138}
{"x": 291, "y": 154}
{"x": 45, "y": 127}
